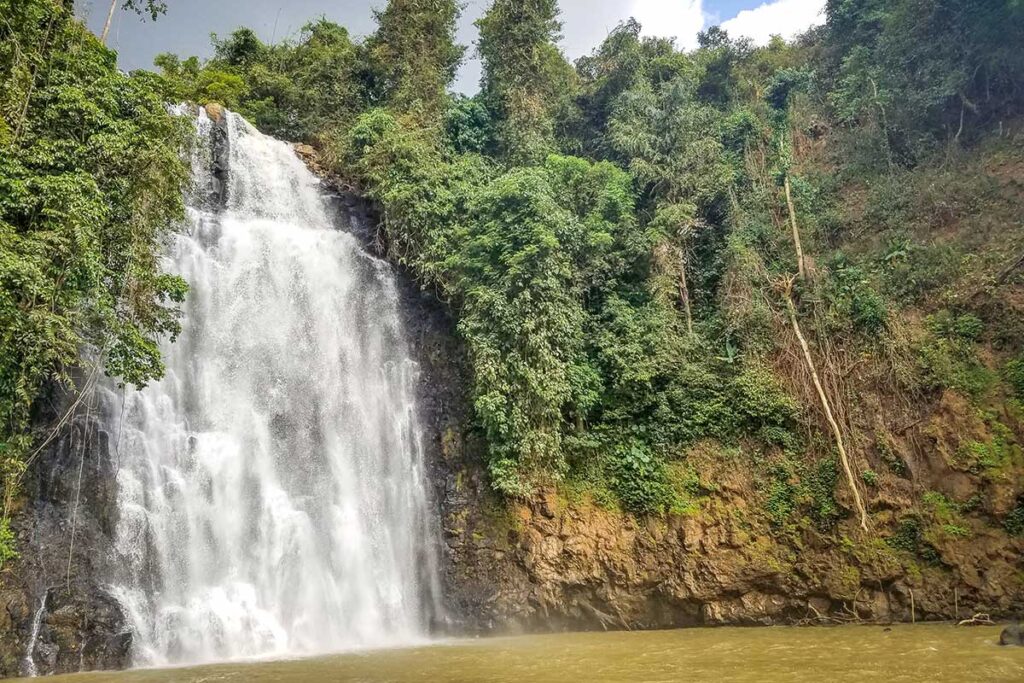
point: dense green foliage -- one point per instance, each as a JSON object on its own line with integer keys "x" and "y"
{"x": 615, "y": 238}
{"x": 293, "y": 90}
{"x": 90, "y": 178}
{"x": 608, "y": 235}
{"x": 917, "y": 73}
{"x": 413, "y": 56}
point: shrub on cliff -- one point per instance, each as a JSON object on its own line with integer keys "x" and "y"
{"x": 90, "y": 181}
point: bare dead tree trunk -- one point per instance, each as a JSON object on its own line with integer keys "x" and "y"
{"x": 796, "y": 230}
{"x": 788, "y": 291}
{"x": 110, "y": 19}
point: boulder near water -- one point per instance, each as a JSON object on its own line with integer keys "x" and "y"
{"x": 1012, "y": 635}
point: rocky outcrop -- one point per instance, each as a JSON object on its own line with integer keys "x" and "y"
{"x": 55, "y": 612}
{"x": 555, "y": 563}
{"x": 1012, "y": 635}
{"x": 220, "y": 153}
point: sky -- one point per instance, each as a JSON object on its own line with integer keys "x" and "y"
{"x": 187, "y": 26}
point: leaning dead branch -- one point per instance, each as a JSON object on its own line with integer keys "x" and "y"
{"x": 826, "y": 405}
{"x": 1000, "y": 279}
{"x": 796, "y": 230}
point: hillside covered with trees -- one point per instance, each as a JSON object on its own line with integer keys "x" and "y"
{"x": 805, "y": 257}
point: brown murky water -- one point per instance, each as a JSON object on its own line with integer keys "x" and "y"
{"x": 853, "y": 653}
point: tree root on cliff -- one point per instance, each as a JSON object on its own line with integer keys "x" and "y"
{"x": 787, "y": 291}
{"x": 603, "y": 618}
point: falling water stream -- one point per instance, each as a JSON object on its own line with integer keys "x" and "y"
{"x": 29, "y": 665}
{"x": 271, "y": 486}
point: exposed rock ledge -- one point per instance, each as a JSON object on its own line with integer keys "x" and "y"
{"x": 556, "y": 564}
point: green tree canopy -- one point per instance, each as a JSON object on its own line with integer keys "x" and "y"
{"x": 525, "y": 77}
{"x": 413, "y": 56}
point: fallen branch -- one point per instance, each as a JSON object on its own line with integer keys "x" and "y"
{"x": 603, "y": 618}
{"x": 1008, "y": 271}
{"x": 979, "y": 619}
{"x": 904, "y": 430}
{"x": 816, "y": 612}
{"x": 1000, "y": 279}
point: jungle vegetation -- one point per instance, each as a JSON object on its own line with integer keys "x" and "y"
{"x": 646, "y": 251}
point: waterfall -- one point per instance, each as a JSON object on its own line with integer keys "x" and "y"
{"x": 272, "y": 499}
{"x": 29, "y": 664}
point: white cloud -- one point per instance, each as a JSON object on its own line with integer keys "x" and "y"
{"x": 587, "y": 22}
{"x": 679, "y": 19}
{"x": 786, "y": 18}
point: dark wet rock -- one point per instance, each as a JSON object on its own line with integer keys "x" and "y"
{"x": 65, "y": 538}
{"x": 1012, "y": 635}
{"x": 220, "y": 141}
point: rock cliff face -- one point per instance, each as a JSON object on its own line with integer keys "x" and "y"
{"x": 554, "y": 563}
{"x": 55, "y": 612}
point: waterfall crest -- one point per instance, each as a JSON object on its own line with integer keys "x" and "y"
{"x": 271, "y": 487}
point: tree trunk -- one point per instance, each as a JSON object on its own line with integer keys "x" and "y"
{"x": 796, "y": 230}
{"x": 110, "y": 19}
{"x": 828, "y": 408}
{"x": 684, "y": 291}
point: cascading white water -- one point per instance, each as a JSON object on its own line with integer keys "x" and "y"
{"x": 29, "y": 663}
{"x": 271, "y": 486}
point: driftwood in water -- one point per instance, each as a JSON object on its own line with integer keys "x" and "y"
{"x": 979, "y": 619}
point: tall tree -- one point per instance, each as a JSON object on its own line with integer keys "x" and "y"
{"x": 620, "y": 64}
{"x": 414, "y": 56}
{"x": 91, "y": 181}
{"x": 525, "y": 74}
